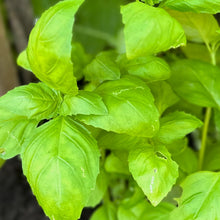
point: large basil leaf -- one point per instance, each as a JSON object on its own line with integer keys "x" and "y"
{"x": 131, "y": 108}
{"x": 154, "y": 171}
{"x": 34, "y": 101}
{"x": 14, "y": 129}
{"x": 198, "y": 27}
{"x": 23, "y": 61}
{"x": 176, "y": 125}
{"x": 49, "y": 47}
{"x": 198, "y": 6}
{"x": 197, "y": 82}
{"x": 85, "y": 103}
{"x": 200, "y": 198}
{"x": 61, "y": 162}
{"x": 149, "y": 30}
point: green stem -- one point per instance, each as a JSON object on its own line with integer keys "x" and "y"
{"x": 204, "y": 136}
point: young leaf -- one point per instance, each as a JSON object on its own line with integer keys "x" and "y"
{"x": 13, "y": 129}
{"x": 176, "y": 125}
{"x": 49, "y": 47}
{"x": 102, "y": 68}
{"x": 23, "y": 61}
{"x": 85, "y": 103}
{"x": 117, "y": 163}
{"x": 164, "y": 95}
{"x": 131, "y": 108}
{"x": 34, "y": 101}
{"x": 80, "y": 59}
{"x": 154, "y": 171}
{"x": 191, "y": 82}
{"x": 61, "y": 162}
{"x": 148, "y": 68}
{"x": 198, "y": 6}
{"x": 198, "y": 27}
{"x": 200, "y": 198}
{"x": 149, "y": 30}
{"x": 105, "y": 212}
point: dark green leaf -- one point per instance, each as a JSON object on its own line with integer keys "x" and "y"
{"x": 106, "y": 212}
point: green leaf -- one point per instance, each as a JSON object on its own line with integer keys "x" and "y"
{"x": 191, "y": 82}
{"x": 176, "y": 125}
{"x": 100, "y": 189}
{"x": 61, "y": 163}
{"x": 131, "y": 108}
{"x": 80, "y": 59}
{"x": 14, "y": 129}
{"x": 198, "y": 6}
{"x": 23, "y": 61}
{"x": 154, "y": 171}
{"x": 161, "y": 212}
{"x": 200, "y": 198}
{"x": 117, "y": 162}
{"x": 198, "y": 27}
{"x": 149, "y": 30}
{"x": 34, "y": 101}
{"x": 97, "y": 24}
{"x": 132, "y": 208}
{"x": 164, "y": 95}
{"x": 106, "y": 212}
{"x": 85, "y": 103}
{"x": 211, "y": 159}
{"x": 49, "y": 47}
{"x": 148, "y": 68}
{"x": 184, "y": 156}
{"x": 114, "y": 141}
{"x": 102, "y": 68}
{"x": 1, "y": 162}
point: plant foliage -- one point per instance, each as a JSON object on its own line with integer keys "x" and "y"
{"x": 127, "y": 113}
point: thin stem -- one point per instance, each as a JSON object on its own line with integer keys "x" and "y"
{"x": 204, "y": 136}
